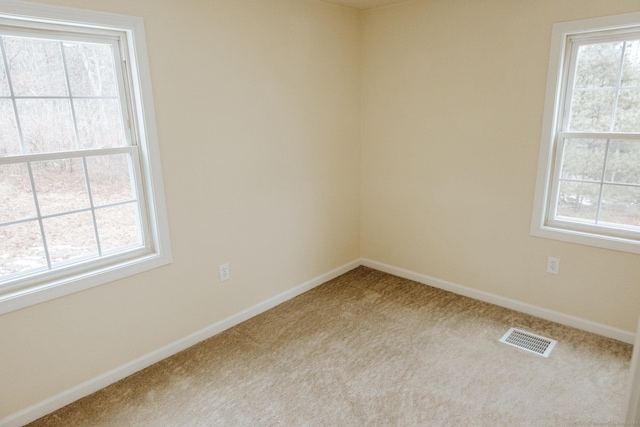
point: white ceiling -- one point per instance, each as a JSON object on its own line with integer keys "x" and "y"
{"x": 363, "y": 4}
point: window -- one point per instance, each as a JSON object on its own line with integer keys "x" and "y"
{"x": 589, "y": 177}
{"x": 80, "y": 181}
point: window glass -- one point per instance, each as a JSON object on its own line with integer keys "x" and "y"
{"x": 62, "y": 97}
{"x": 583, "y": 159}
{"x": 599, "y": 177}
{"x": 588, "y": 188}
{"x": 118, "y": 227}
{"x": 9, "y": 138}
{"x": 46, "y": 124}
{"x": 60, "y": 185}
{"x": 35, "y": 66}
{"x": 22, "y": 248}
{"x": 99, "y": 123}
{"x": 81, "y": 200}
{"x": 592, "y": 110}
{"x": 91, "y": 69}
{"x": 623, "y": 162}
{"x": 111, "y": 179}
{"x": 597, "y": 65}
{"x": 578, "y": 200}
{"x": 70, "y": 237}
{"x": 4, "y": 81}
{"x": 16, "y": 193}
{"x": 631, "y": 65}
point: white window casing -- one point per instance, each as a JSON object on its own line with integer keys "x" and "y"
{"x": 139, "y": 150}
{"x": 560, "y": 137}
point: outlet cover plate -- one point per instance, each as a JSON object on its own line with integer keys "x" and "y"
{"x": 553, "y": 265}
{"x": 224, "y": 272}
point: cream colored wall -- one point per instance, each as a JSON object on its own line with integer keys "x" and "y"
{"x": 453, "y": 94}
{"x": 257, "y": 106}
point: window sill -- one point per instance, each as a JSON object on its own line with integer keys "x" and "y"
{"x": 16, "y": 300}
{"x": 586, "y": 238}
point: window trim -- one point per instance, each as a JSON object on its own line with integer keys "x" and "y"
{"x": 134, "y": 52}
{"x": 554, "y": 98}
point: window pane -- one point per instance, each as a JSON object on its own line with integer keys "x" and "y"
{"x": 35, "y": 66}
{"x": 21, "y": 248}
{"x": 70, "y": 237}
{"x": 47, "y": 125}
{"x": 4, "y": 82}
{"x": 110, "y": 179}
{"x": 73, "y": 100}
{"x": 118, "y": 227}
{"x": 60, "y": 186}
{"x": 631, "y": 66}
{"x": 623, "y": 162}
{"x": 620, "y": 205}
{"x": 9, "y": 138}
{"x": 598, "y": 65}
{"x": 99, "y": 123}
{"x": 91, "y": 69}
{"x": 578, "y": 200}
{"x": 592, "y": 110}
{"x": 16, "y": 197}
{"x": 583, "y": 159}
{"x": 628, "y": 111}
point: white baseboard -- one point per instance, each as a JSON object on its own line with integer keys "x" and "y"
{"x": 543, "y": 313}
{"x": 66, "y": 397}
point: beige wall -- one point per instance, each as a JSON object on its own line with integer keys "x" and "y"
{"x": 453, "y": 94}
{"x": 257, "y": 106}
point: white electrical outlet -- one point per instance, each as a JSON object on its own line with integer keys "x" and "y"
{"x": 553, "y": 265}
{"x": 224, "y": 272}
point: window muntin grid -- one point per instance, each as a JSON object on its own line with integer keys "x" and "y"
{"x": 82, "y": 146}
{"x": 596, "y": 178}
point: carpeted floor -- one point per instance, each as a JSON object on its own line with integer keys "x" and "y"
{"x": 371, "y": 349}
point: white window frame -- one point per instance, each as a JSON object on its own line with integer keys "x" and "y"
{"x": 558, "y": 80}
{"x": 157, "y": 248}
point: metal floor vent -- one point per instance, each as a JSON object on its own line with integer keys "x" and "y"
{"x": 529, "y": 342}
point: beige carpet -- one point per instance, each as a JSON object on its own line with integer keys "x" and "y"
{"x": 371, "y": 349}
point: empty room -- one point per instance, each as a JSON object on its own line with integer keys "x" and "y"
{"x": 306, "y": 212}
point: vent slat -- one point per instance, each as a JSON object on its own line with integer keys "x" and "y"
{"x": 529, "y": 342}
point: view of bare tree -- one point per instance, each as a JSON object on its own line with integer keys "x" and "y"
{"x": 61, "y": 96}
{"x": 600, "y": 178}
